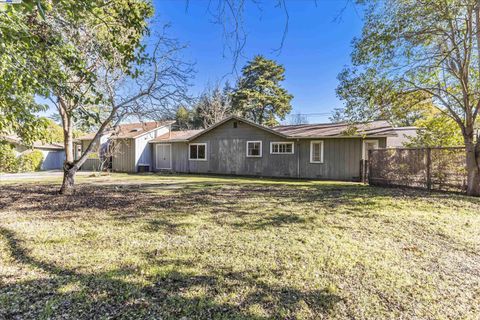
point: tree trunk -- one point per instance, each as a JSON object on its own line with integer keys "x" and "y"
{"x": 473, "y": 168}
{"x": 69, "y": 171}
{"x": 69, "y": 168}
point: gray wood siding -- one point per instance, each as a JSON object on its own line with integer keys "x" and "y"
{"x": 124, "y": 156}
{"x": 179, "y": 156}
{"x": 341, "y": 159}
{"x": 226, "y": 154}
{"x": 143, "y": 149}
{"x": 90, "y": 164}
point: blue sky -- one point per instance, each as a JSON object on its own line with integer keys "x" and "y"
{"x": 316, "y": 48}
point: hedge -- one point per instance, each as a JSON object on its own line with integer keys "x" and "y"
{"x": 30, "y": 161}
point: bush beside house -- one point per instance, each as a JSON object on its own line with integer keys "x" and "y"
{"x": 8, "y": 161}
{"x": 30, "y": 161}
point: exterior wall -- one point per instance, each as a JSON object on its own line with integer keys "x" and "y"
{"x": 341, "y": 158}
{"x": 128, "y": 154}
{"x": 124, "y": 156}
{"x": 52, "y": 159}
{"x": 179, "y": 156}
{"x": 91, "y": 164}
{"x": 143, "y": 151}
{"x": 226, "y": 154}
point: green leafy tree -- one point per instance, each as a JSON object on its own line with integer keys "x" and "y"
{"x": 436, "y": 130}
{"x": 8, "y": 161}
{"x": 89, "y": 58}
{"x": 258, "y": 95}
{"x": 54, "y": 132}
{"x": 369, "y": 97}
{"x": 430, "y": 49}
{"x": 30, "y": 161}
{"x": 182, "y": 117}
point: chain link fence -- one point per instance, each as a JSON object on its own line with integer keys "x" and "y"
{"x": 428, "y": 168}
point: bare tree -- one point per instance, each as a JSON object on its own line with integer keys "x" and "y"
{"x": 297, "y": 118}
{"x": 159, "y": 82}
{"x": 213, "y": 105}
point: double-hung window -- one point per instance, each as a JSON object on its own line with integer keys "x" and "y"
{"x": 254, "y": 149}
{"x": 281, "y": 147}
{"x": 316, "y": 151}
{"x": 197, "y": 151}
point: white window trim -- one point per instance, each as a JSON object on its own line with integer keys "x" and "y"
{"x": 156, "y": 155}
{"x": 364, "y": 155}
{"x": 321, "y": 151}
{"x": 197, "y": 144}
{"x": 261, "y": 151}
{"x": 282, "y": 142}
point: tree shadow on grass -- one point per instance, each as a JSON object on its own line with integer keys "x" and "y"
{"x": 243, "y": 201}
{"x": 68, "y": 294}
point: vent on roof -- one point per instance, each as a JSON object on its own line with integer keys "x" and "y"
{"x": 135, "y": 130}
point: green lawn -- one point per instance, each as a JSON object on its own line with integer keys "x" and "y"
{"x": 193, "y": 247}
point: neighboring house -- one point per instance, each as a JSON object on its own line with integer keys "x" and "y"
{"x": 236, "y": 146}
{"x": 404, "y": 135}
{"x": 124, "y": 149}
{"x": 53, "y": 153}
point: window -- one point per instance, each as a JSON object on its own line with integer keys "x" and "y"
{"x": 281, "y": 147}
{"x": 316, "y": 151}
{"x": 254, "y": 149}
{"x": 197, "y": 151}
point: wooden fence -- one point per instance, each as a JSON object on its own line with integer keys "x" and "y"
{"x": 428, "y": 168}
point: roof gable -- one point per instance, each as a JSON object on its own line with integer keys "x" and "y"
{"x": 233, "y": 117}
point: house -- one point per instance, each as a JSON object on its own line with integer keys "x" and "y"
{"x": 53, "y": 153}
{"x": 123, "y": 149}
{"x": 404, "y": 136}
{"x": 236, "y": 146}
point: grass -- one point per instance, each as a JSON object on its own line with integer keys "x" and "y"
{"x": 194, "y": 247}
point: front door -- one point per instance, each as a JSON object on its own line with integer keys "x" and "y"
{"x": 164, "y": 156}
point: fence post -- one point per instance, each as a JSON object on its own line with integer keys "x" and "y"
{"x": 429, "y": 169}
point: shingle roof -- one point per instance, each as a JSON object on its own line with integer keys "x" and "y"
{"x": 370, "y": 129}
{"x": 36, "y": 144}
{"x": 375, "y": 128}
{"x": 176, "y": 136}
{"x": 130, "y": 130}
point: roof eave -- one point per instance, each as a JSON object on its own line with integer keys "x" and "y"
{"x": 170, "y": 140}
{"x": 340, "y": 136}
